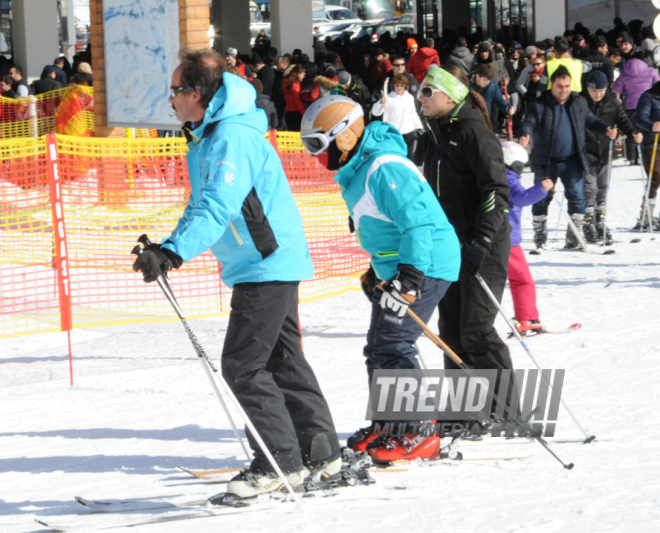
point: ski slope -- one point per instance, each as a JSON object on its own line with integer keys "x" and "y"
{"x": 142, "y": 404}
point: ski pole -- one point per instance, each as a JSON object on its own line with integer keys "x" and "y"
{"x": 517, "y": 335}
{"x": 558, "y": 220}
{"x": 454, "y": 357}
{"x": 204, "y": 359}
{"x": 607, "y": 189}
{"x": 647, "y": 192}
{"x": 583, "y": 243}
{"x": 165, "y": 287}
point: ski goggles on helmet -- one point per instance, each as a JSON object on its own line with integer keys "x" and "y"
{"x": 318, "y": 142}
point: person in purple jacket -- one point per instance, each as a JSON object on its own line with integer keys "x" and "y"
{"x": 521, "y": 282}
{"x": 635, "y": 79}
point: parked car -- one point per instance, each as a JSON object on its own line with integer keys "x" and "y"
{"x": 393, "y": 25}
{"x": 359, "y": 30}
{"x": 333, "y": 31}
{"x": 336, "y": 14}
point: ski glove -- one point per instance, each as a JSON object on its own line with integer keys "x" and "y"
{"x": 368, "y": 280}
{"x": 473, "y": 255}
{"x": 401, "y": 292}
{"x": 155, "y": 261}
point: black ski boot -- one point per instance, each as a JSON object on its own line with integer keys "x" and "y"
{"x": 540, "y": 225}
{"x": 601, "y": 226}
{"x": 591, "y": 234}
{"x": 572, "y": 241}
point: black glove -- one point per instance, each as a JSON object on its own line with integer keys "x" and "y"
{"x": 351, "y": 225}
{"x": 155, "y": 261}
{"x": 368, "y": 280}
{"x": 402, "y": 291}
{"x": 473, "y": 255}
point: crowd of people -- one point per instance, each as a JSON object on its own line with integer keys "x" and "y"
{"x": 13, "y": 82}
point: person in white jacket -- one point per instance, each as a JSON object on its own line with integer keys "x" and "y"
{"x": 401, "y": 112}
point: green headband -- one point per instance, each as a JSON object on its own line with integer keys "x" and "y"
{"x": 448, "y": 84}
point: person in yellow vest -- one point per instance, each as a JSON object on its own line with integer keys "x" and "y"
{"x": 574, "y": 66}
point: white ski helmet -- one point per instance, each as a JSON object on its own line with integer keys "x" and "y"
{"x": 513, "y": 153}
{"x": 332, "y": 118}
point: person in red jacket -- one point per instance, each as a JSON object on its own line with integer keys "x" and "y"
{"x": 295, "y": 107}
{"x": 419, "y": 63}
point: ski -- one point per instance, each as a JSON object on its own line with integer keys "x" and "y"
{"x": 125, "y": 506}
{"x": 93, "y": 523}
{"x": 209, "y": 475}
{"x": 540, "y": 251}
{"x": 537, "y": 333}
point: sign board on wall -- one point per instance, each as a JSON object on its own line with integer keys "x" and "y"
{"x": 141, "y": 51}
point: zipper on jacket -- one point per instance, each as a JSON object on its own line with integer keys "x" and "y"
{"x": 238, "y": 237}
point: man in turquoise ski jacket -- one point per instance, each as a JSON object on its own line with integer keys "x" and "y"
{"x": 415, "y": 253}
{"x": 241, "y": 207}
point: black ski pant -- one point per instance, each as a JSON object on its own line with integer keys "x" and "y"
{"x": 467, "y": 315}
{"x": 264, "y": 365}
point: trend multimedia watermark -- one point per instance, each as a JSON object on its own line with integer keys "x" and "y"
{"x": 441, "y": 402}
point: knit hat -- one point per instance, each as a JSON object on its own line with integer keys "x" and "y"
{"x": 597, "y": 80}
{"x": 627, "y": 39}
{"x": 560, "y": 72}
{"x": 411, "y": 43}
{"x": 256, "y": 59}
{"x": 530, "y": 50}
{"x": 232, "y": 52}
{"x": 378, "y": 52}
{"x": 484, "y": 46}
{"x": 343, "y": 78}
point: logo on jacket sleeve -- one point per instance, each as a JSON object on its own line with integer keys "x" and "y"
{"x": 453, "y": 143}
{"x": 229, "y": 178}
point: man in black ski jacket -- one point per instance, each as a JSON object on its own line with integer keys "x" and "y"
{"x": 598, "y": 60}
{"x": 354, "y": 88}
{"x": 558, "y": 120}
{"x": 606, "y": 106}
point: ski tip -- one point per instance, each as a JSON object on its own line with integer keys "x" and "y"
{"x": 575, "y": 326}
{"x": 81, "y": 500}
{"x": 52, "y": 528}
{"x": 609, "y": 252}
{"x": 635, "y": 241}
{"x": 590, "y": 439}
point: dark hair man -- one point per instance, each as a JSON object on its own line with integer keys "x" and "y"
{"x": 20, "y": 86}
{"x": 557, "y": 120}
{"x": 241, "y": 207}
{"x": 462, "y": 57}
{"x": 5, "y": 87}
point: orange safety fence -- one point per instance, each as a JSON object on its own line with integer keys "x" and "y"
{"x": 71, "y": 209}
{"x": 67, "y": 111}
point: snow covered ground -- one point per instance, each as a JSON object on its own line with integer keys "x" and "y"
{"x": 141, "y": 405}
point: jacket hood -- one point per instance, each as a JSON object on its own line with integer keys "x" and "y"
{"x": 635, "y": 67}
{"x": 328, "y": 83}
{"x": 234, "y": 102}
{"x": 427, "y": 52}
{"x": 461, "y": 52}
{"x": 378, "y": 138}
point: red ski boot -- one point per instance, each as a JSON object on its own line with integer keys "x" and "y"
{"x": 530, "y": 327}
{"x": 404, "y": 448}
{"x": 359, "y": 441}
